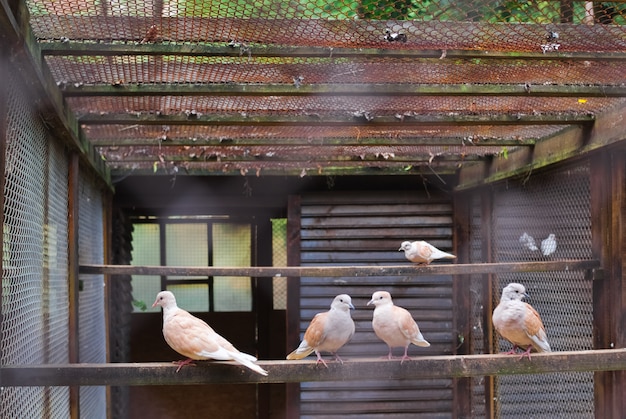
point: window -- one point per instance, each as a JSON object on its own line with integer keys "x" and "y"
{"x": 193, "y": 241}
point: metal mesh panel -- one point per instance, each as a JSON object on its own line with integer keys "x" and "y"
{"x": 34, "y": 282}
{"x": 555, "y": 203}
{"x": 92, "y": 337}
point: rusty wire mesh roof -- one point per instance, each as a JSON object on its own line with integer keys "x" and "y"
{"x": 326, "y": 87}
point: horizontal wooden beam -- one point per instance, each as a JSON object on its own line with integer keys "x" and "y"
{"x": 336, "y": 89}
{"x": 399, "y": 140}
{"x": 214, "y": 372}
{"x": 121, "y": 169}
{"x": 571, "y": 142}
{"x": 76, "y": 48}
{"x": 357, "y": 119}
{"x": 345, "y": 271}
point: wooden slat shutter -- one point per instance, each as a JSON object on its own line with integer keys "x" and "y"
{"x": 366, "y": 228}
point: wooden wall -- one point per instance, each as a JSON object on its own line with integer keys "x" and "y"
{"x": 367, "y": 228}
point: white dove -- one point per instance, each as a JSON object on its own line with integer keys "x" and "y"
{"x": 528, "y": 241}
{"x": 193, "y": 338}
{"x": 328, "y": 331}
{"x": 518, "y": 322}
{"x": 422, "y": 252}
{"x": 548, "y": 245}
{"x": 394, "y": 325}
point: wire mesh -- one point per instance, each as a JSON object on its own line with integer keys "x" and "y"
{"x": 563, "y": 47}
{"x": 553, "y": 203}
{"x": 356, "y": 23}
{"x": 92, "y": 314}
{"x": 34, "y": 325}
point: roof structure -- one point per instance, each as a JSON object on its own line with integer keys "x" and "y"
{"x": 308, "y": 87}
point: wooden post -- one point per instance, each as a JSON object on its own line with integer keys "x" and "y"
{"x": 293, "y": 298}
{"x": 4, "y": 98}
{"x": 486, "y": 198}
{"x": 73, "y": 275}
{"x": 608, "y": 203}
{"x": 462, "y": 305}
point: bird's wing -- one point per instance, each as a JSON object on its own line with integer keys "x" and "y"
{"x": 405, "y": 322}
{"x": 313, "y": 337}
{"x": 189, "y": 336}
{"x": 409, "y": 327}
{"x": 534, "y": 328}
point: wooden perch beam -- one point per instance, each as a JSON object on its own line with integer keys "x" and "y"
{"x": 212, "y": 372}
{"x": 345, "y": 271}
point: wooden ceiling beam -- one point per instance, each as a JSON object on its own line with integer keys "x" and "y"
{"x": 75, "y": 48}
{"x": 398, "y": 140}
{"x": 355, "y": 119}
{"x": 571, "y": 142}
{"x": 330, "y": 89}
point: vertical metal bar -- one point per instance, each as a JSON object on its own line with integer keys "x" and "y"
{"x": 294, "y": 212}
{"x": 73, "y": 276}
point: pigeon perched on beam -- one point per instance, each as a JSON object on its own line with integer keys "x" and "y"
{"x": 394, "y": 325}
{"x": 328, "y": 331}
{"x": 423, "y": 252}
{"x": 193, "y": 338}
{"x": 518, "y": 322}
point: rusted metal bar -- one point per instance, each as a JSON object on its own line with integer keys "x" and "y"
{"x": 214, "y": 372}
{"x": 344, "y": 271}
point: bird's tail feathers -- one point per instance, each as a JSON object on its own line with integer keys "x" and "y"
{"x": 443, "y": 255}
{"x": 300, "y": 353}
{"x": 244, "y": 359}
{"x": 420, "y": 341}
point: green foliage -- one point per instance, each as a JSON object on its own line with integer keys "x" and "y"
{"x": 141, "y": 305}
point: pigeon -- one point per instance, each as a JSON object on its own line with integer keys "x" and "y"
{"x": 422, "y": 252}
{"x": 328, "y": 331}
{"x": 528, "y": 241}
{"x": 518, "y": 322}
{"x": 548, "y": 245}
{"x": 193, "y": 338}
{"x": 395, "y": 36}
{"x": 394, "y": 325}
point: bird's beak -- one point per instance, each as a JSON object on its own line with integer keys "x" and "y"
{"x": 370, "y": 301}
{"x": 400, "y": 248}
{"x": 526, "y": 296}
{"x": 351, "y": 306}
{"x": 154, "y": 304}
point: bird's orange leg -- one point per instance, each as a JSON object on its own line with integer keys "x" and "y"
{"x": 527, "y": 352}
{"x": 405, "y": 356}
{"x": 512, "y": 351}
{"x": 319, "y": 359}
{"x": 180, "y": 364}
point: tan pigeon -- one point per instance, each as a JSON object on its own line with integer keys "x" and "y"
{"x": 394, "y": 325}
{"x": 423, "y": 252}
{"x": 518, "y": 322}
{"x": 328, "y": 331}
{"x": 193, "y": 338}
